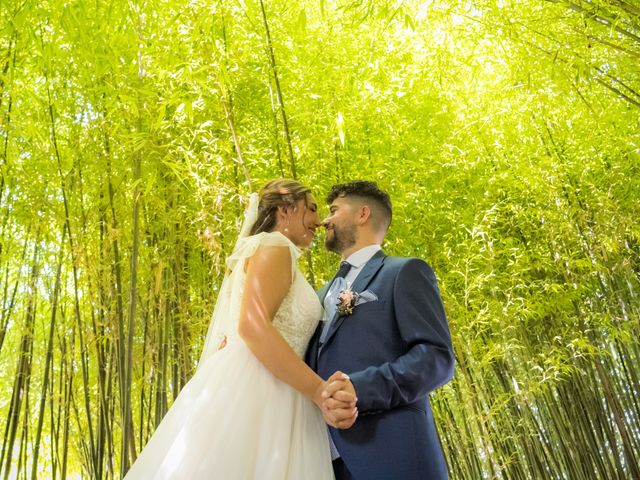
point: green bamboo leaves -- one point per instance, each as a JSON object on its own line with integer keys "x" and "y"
{"x": 507, "y": 133}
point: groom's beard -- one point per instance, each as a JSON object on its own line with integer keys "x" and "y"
{"x": 338, "y": 239}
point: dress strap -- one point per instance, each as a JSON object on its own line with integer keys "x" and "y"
{"x": 248, "y": 246}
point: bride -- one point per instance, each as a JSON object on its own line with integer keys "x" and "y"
{"x": 253, "y": 409}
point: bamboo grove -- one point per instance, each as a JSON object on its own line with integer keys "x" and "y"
{"x": 507, "y": 132}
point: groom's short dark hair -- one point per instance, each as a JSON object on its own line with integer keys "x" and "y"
{"x": 378, "y": 200}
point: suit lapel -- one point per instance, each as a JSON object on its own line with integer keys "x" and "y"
{"x": 323, "y": 293}
{"x": 311, "y": 356}
{"x": 359, "y": 285}
{"x": 370, "y": 269}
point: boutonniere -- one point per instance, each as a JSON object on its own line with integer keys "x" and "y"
{"x": 348, "y": 300}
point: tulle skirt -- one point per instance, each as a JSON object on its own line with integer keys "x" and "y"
{"x": 234, "y": 420}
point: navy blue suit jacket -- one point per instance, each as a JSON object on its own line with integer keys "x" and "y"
{"x": 396, "y": 350}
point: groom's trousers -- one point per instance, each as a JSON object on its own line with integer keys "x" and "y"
{"x": 341, "y": 471}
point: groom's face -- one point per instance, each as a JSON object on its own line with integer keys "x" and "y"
{"x": 340, "y": 226}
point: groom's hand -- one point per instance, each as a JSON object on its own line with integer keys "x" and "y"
{"x": 339, "y": 401}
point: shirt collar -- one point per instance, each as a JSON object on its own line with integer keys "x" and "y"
{"x": 362, "y": 256}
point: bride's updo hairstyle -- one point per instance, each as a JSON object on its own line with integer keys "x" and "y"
{"x": 277, "y": 193}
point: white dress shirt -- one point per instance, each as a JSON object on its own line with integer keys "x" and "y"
{"x": 358, "y": 260}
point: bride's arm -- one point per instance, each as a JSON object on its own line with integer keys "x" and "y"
{"x": 268, "y": 279}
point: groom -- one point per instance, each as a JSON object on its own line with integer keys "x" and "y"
{"x": 386, "y": 328}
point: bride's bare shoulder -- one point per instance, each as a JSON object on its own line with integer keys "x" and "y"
{"x": 270, "y": 259}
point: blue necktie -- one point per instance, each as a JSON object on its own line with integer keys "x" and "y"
{"x": 331, "y": 301}
{"x": 343, "y": 270}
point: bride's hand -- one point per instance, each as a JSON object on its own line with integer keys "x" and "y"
{"x": 339, "y": 392}
{"x": 339, "y": 401}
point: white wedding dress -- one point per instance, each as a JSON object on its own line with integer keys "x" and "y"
{"x": 234, "y": 420}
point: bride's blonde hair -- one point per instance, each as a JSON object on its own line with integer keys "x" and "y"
{"x": 277, "y": 193}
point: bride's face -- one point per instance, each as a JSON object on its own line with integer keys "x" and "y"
{"x": 301, "y": 222}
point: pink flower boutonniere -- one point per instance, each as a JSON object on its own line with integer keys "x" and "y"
{"x": 348, "y": 300}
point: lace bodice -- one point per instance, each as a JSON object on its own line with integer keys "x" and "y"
{"x": 298, "y": 315}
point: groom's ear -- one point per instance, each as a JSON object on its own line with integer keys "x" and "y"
{"x": 363, "y": 214}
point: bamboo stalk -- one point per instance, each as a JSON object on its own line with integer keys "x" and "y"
{"x": 227, "y": 106}
{"x": 5, "y": 69}
{"x": 67, "y": 354}
{"x": 8, "y": 309}
{"x": 23, "y": 367}
{"x": 48, "y": 360}
{"x": 274, "y": 70}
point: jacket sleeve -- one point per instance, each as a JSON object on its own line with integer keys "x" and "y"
{"x": 428, "y": 361}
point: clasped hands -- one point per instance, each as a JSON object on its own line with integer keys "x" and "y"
{"x": 336, "y": 397}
